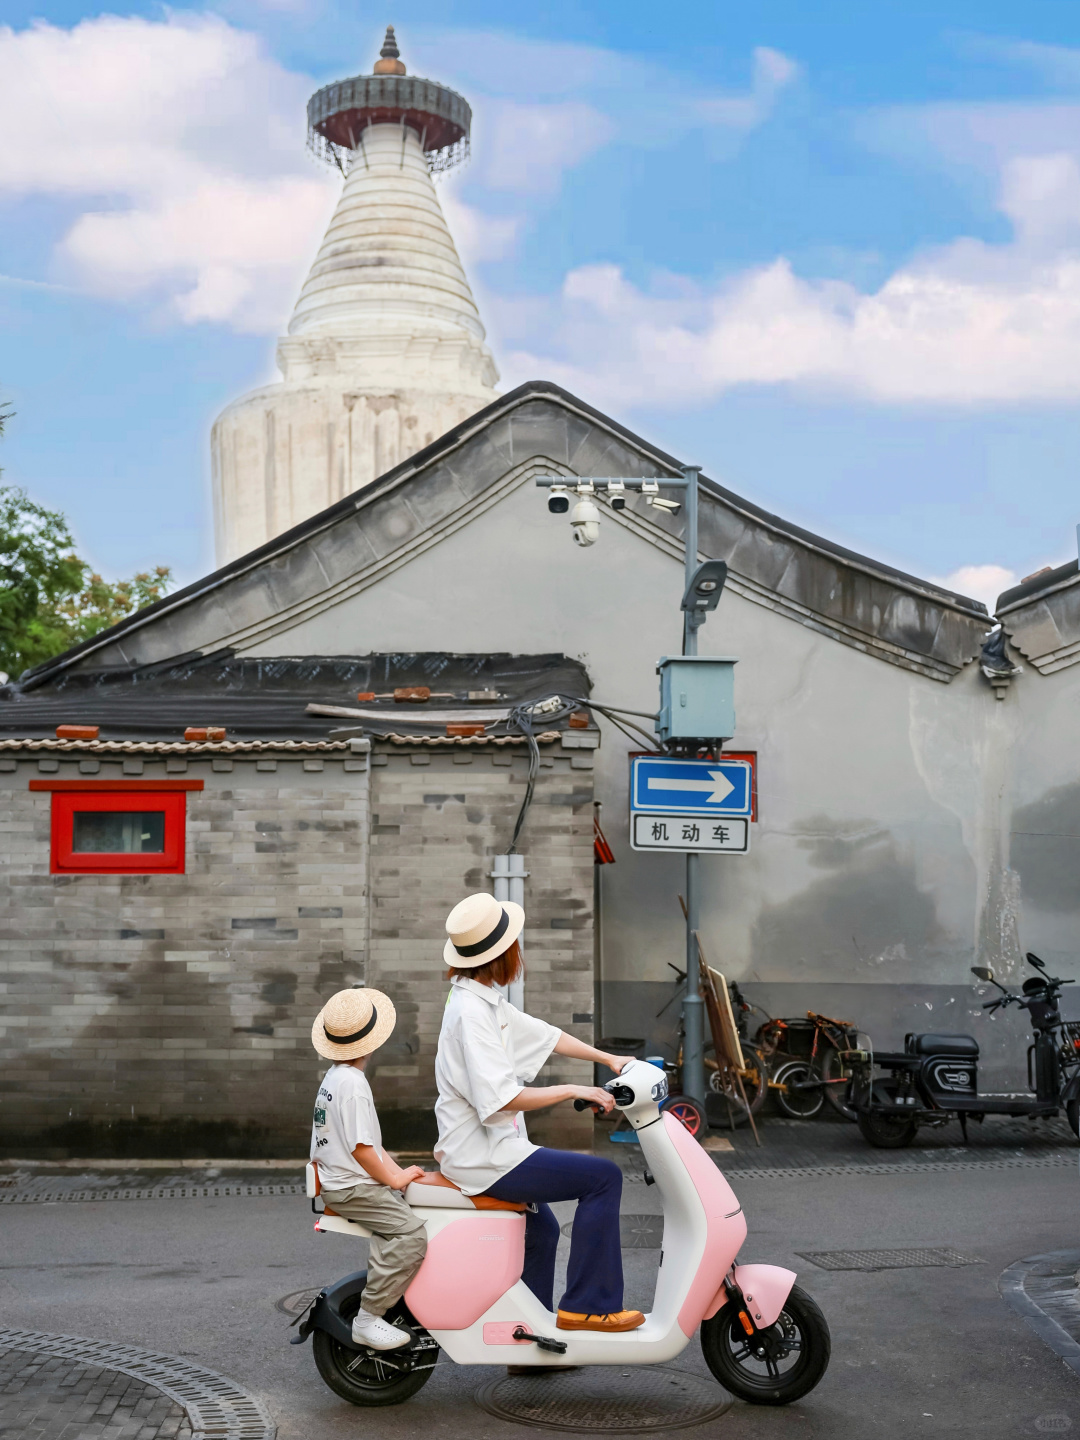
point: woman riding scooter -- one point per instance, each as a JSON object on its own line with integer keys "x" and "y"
{"x": 488, "y": 1051}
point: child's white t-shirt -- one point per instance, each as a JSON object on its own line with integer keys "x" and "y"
{"x": 344, "y": 1118}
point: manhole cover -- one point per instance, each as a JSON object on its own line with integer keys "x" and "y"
{"x": 636, "y": 1232}
{"x": 888, "y": 1259}
{"x": 298, "y": 1302}
{"x": 607, "y": 1400}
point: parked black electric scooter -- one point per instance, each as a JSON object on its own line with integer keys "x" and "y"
{"x": 935, "y": 1079}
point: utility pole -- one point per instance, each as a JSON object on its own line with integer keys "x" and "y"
{"x": 701, "y": 594}
{"x": 693, "y": 1073}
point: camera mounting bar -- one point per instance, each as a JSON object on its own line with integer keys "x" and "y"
{"x": 614, "y": 489}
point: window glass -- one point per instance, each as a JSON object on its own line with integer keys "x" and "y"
{"x": 118, "y": 832}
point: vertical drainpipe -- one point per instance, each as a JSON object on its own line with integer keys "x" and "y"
{"x": 509, "y": 877}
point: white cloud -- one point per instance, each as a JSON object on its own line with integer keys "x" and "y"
{"x": 527, "y": 147}
{"x": 478, "y": 237}
{"x": 979, "y": 582}
{"x": 179, "y": 143}
{"x": 970, "y": 323}
{"x": 184, "y": 141}
{"x": 772, "y": 72}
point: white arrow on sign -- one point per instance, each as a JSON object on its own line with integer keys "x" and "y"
{"x": 720, "y": 785}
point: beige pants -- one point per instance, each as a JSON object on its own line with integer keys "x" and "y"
{"x": 398, "y": 1240}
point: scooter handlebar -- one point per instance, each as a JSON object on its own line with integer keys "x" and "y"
{"x": 587, "y": 1105}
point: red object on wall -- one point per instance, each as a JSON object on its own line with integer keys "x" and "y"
{"x": 77, "y": 732}
{"x": 118, "y": 828}
{"x": 602, "y": 851}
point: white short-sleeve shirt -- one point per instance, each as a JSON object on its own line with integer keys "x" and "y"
{"x": 488, "y": 1051}
{"x": 345, "y": 1117}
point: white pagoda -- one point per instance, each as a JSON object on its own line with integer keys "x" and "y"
{"x": 385, "y": 350}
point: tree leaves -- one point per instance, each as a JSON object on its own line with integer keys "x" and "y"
{"x": 50, "y": 599}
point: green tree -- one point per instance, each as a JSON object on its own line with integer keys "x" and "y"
{"x": 50, "y": 599}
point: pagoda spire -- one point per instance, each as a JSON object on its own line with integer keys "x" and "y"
{"x": 389, "y": 61}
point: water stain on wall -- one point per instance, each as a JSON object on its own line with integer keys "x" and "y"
{"x": 858, "y": 920}
{"x": 1045, "y": 849}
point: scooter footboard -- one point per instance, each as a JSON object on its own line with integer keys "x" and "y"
{"x": 765, "y": 1288}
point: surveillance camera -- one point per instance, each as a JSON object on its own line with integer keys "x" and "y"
{"x": 616, "y": 494}
{"x": 558, "y": 501}
{"x": 585, "y": 523}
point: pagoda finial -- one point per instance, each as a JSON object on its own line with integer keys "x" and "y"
{"x": 389, "y": 62}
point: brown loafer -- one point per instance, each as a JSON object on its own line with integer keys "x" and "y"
{"x": 622, "y": 1320}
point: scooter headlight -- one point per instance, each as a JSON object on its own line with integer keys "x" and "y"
{"x": 660, "y": 1090}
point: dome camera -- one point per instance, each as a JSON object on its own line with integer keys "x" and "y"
{"x": 585, "y": 522}
{"x": 558, "y": 501}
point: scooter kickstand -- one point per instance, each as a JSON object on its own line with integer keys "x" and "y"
{"x": 963, "y": 1126}
{"x": 543, "y": 1342}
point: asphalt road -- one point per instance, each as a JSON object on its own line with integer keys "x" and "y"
{"x": 915, "y": 1352}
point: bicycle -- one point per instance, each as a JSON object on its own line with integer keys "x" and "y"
{"x": 808, "y": 1064}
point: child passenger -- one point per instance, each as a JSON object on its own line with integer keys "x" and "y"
{"x": 359, "y": 1179}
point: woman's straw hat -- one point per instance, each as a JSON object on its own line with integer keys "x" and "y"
{"x": 353, "y": 1023}
{"x": 480, "y": 928}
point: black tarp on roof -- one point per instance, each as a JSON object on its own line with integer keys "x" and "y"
{"x": 258, "y": 697}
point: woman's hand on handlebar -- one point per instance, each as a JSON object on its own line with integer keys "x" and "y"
{"x": 600, "y": 1100}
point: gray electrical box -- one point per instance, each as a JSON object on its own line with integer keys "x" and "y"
{"x": 697, "y": 697}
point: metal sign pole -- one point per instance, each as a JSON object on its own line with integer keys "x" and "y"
{"x": 693, "y": 1070}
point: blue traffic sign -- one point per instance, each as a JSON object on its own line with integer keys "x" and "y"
{"x": 690, "y": 787}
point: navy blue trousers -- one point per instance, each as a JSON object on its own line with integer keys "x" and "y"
{"x": 594, "y": 1277}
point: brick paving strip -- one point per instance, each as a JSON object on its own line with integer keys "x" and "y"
{"x": 1045, "y": 1291}
{"x": 63, "y": 1387}
{"x": 791, "y": 1150}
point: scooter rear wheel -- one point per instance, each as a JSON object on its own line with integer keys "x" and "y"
{"x": 365, "y": 1377}
{"x": 775, "y": 1366}
{"x": 886, "y": 1132}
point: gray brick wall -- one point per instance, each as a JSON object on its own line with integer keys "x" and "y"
{"x": 437, "y": 821}
{"x": 171, "y": 1014}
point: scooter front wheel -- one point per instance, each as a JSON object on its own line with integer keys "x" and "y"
{"x": 366, "y": 1377}
{"x": 773, "y": 1366}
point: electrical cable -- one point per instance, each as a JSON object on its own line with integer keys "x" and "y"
{"x": 553, "y": 708}
{"x": 521, "y": 717}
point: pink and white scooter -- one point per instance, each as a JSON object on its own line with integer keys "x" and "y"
{"x": 763, "y": 1338}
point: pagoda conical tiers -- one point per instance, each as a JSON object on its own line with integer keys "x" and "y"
{"x": 339, "y": 114}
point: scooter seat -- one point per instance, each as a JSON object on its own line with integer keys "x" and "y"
{"x": 942, "y": 1045}
{"x": 437, "y": 1192}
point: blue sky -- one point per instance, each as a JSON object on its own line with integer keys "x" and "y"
{"x": 830, "y": 252}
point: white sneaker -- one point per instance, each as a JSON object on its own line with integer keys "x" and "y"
{"x": 373, "y": 1330}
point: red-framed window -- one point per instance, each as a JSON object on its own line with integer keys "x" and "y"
{"x": 118, "y": 827}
